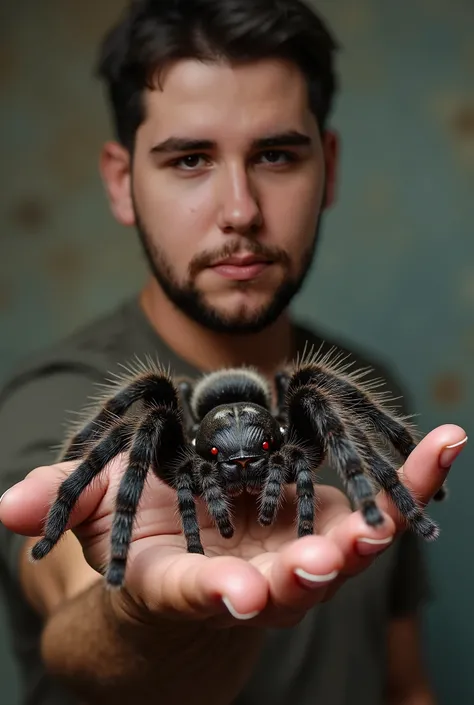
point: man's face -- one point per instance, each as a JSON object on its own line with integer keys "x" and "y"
{"x": 228, "y": 182}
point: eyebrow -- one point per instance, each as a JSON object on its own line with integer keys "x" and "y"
{"x": 291, "y": 138}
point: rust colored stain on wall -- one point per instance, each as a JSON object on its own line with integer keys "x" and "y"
{"x": 448, "y": 389}
{"x": 455, "y": 111}
{"x": 462, "y": 122}
{"x": 30, "y": 214}
{"x": 65, "y": 262}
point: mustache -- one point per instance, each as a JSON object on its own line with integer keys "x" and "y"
{"x": 253, "y": 247}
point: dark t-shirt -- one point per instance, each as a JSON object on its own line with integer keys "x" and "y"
{"x": 335, "y": 656}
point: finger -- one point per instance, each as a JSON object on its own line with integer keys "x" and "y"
{"x": 358, "y": 542}
{"x": 427, "y": 467}
{"x": 349, "y": 530}
{"x": 317, "y": 563}
{"x": 23, "y": 508}
{"x": 170, "y": 582}
{"x": 299, "y": 574}
{"x": 305, "y": 571}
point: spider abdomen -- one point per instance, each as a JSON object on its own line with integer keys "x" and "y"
{"x": 229, "y": 387}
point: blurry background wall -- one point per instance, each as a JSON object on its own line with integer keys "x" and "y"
{"x": 395, "y": 271}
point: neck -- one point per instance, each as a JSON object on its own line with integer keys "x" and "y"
{"x": 207, "y": 350}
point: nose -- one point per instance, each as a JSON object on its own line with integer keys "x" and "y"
{"x": 239, "y": 210}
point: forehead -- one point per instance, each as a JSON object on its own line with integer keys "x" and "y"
{"x": 232, "y": 101}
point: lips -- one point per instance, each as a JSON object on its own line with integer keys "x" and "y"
{"x": 241, "y": 268}
{"x": 242, "y": 261}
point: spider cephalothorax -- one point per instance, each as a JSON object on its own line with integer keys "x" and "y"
{"x": 223, "y": 435}
{"x": 243, "y": 437}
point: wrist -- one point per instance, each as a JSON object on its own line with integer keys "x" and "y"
{"x": 109, "y": 649}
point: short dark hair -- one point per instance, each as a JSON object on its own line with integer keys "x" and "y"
{"x": 152, "y": 33}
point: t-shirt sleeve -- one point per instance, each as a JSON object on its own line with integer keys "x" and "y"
{"x": 34, "y": 414}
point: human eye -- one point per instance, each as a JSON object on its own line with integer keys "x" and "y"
{"x": 190, "y": 162}
{"x": 278, "y": 157}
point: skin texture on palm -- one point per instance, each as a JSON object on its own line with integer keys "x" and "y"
{"x": 259, "y": 573}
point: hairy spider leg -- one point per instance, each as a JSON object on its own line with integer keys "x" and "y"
{"x": 190, "y": 420}
{"x": 116, "y": 441}
{"x": 214, "y": 497}
{"x": 154, "y": 445}
{"x": 270, "y": 498}
{"x": 315, "y": 418}
{"x": 185, "y": 489}
{"x": 149, "y": 387}
{"x": 363, "y": 406}
{"x": 291, "y": 464}
{"x": 386, "y": 477}
{"x": 281, "y": 385}
{"x": 152, "y": 388}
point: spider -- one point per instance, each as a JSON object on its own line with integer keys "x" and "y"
{"x": 222, "y": 434}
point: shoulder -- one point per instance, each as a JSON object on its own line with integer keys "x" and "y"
{"x": 38, "y": 400}
{"x": 84, "y": 354}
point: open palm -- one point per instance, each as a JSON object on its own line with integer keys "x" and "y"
{"x": 264, "y": 571}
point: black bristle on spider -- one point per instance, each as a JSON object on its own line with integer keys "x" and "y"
{"x": 221, "y": 435}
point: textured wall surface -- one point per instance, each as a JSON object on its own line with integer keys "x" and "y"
{"x": 395, "y": 272}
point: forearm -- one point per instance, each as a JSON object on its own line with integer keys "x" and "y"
{"x": 104, "y": 659}
{"x": 408, "y": 682}
{"x": 105, "y": 655}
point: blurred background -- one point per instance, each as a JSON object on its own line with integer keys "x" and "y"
{"x": 395, "y": 270}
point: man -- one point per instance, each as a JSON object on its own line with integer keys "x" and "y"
{"x": 224, "y": 163}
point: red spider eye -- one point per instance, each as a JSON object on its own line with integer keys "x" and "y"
{"x": 214, "y": 451}
{"x": 265, "y": 445}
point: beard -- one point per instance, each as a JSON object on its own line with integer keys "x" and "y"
{"x": 190, "y": 300}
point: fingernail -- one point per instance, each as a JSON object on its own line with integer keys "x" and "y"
{"x": 450, "y": 453}
{"x": 3, "y": 495}
{"x": 367, "y": 546}
{"x": 238, "y": 615}
{"x": 314, "y": 581}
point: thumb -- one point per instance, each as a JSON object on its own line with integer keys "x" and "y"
{"x": 24, "y": 507}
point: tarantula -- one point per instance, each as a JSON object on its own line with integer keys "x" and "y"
{"x": 221, "y": 435}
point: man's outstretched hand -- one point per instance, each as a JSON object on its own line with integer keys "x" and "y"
{"x": 262, "y": 575}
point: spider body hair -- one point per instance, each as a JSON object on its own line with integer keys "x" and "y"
{"x": 229, "y": 432}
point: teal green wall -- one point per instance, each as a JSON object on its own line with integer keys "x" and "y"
{"x": 395, "y": 271}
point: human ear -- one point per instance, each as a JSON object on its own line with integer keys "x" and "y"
{"x": 115, "y": 170}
